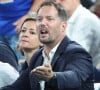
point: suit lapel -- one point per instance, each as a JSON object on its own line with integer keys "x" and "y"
{"x": 60, "y": 51}
{"x": 39, "y": 61}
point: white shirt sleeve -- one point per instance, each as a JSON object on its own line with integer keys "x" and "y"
{"x": 7, "y": 74}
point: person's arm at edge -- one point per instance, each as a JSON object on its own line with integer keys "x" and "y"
{"x": 33, "y": 8}
{"x": 22, "y": 83}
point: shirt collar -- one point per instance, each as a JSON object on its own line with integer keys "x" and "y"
{"x": 51, "y": 53}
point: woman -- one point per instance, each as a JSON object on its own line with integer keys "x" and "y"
{"x": 28, "y": 40}
{"x": 28, "y": 44}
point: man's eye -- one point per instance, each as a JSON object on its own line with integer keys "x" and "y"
{"x": 32, "y": 33}
{"x": 50, "y": 19}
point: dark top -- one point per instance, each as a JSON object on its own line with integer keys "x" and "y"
{"x": 24, "y": 66}
{"x": 7, "y": 55}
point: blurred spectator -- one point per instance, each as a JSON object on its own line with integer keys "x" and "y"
{"x": 8, "y": 65}
{"x": 7, "y": 55}
{"x": 97, "y": 86}
{"x": 96, "y": 9}
{"x": 87, "y": 3}
{"x": 7, "y": 74}
{"x": 12, "y": 15}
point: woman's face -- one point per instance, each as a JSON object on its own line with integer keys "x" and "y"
{"x": 28, "y": 38}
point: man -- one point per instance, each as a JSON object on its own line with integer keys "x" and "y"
{"x": 83, "y": 27}
{"x": 61, "y": 64}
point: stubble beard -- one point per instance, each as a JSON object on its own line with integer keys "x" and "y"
{"x": 47, "y": 41}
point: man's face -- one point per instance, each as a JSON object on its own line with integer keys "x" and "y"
{"x": 48, "y": 25}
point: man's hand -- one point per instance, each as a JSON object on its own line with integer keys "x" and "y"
{"x": 43, "y": 72}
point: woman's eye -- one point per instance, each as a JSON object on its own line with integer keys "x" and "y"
{"x": 32, "y": 32}
{"x": 22, "y": 30}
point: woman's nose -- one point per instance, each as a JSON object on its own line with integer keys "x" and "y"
{"x": 26, "y": 33}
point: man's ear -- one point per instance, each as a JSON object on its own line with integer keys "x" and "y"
{"x": 64, "y": 26}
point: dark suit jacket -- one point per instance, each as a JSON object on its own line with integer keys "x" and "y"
{"x": 72, "y": 65}
{"x": 96, "y": 75}
{"x": 7, "y": 55}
